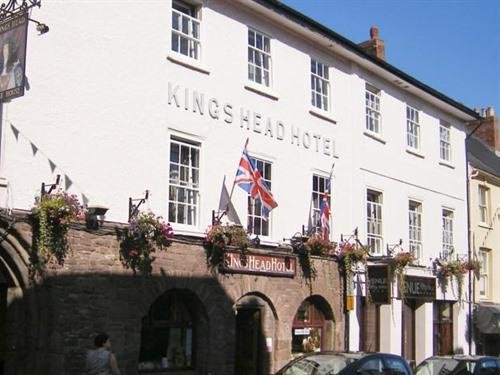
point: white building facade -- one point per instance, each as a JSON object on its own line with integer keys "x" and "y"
{"x": 162, "y": 96}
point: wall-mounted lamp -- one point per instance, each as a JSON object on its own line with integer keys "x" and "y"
{"x": 42, "y": 28}
{"x": 94, "y": 217}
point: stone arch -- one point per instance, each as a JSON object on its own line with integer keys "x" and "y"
{"x": 313, "y": 321}
{"x": 188, "y": 336}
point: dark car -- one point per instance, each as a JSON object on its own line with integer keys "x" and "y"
{"x": 459, "y": 365}
{"x": 333, "y": 363}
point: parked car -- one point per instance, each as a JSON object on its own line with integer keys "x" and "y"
{"x": 459, "y": 365}
{"x": 333, "y": 363}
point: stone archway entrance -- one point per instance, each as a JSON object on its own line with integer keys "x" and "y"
{"x": 313, "y": 326}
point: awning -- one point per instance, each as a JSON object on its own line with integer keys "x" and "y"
{"x": 487, "y": 317}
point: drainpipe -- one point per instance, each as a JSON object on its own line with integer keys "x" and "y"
{"x": 469, "y": 240}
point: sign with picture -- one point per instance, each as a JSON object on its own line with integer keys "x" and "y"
{"x": 13, "y": 34}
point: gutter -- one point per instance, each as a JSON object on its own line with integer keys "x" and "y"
{"x": 314, "y": 26}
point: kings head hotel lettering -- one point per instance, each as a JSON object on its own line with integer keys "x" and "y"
{"x": 270, "y": 265}
{"x": 204, "y": 105}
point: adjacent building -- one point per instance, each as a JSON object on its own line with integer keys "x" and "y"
{"x": 163, "y": 97}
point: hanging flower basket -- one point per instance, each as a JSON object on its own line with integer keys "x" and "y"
{"x": 457, "y": 268}
{"x": 219, "y": 237}
{"x": 397, "y": 265}
{"x": 304, "y": 247}
{"x": 145, "y": 233}
{"x": 351, "y": 254}
{"x": 51, "y": 217}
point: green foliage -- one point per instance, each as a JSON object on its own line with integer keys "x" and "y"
{"x": 218, "y": 237}
{"x": 51, "y": 217}
{"x": 146, "y": 233}
{"x": 314, "y": 245}
{"x": 457, "y": 268}
{"x": 397, "y": 266}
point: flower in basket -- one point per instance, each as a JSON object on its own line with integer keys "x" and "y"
{"x": 446, "y": 270}
{"x": 52, "y": 215}
{"x": 474, "y": 265}
{"x": 402, "y": 259}
{"x": 317, "y": 245}
{"x": 351, "y": 254}
{"x": 146, "y": 233}
{"x": 218, "y": 237}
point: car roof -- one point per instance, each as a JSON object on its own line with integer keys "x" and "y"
{"x": 460, "y": 357}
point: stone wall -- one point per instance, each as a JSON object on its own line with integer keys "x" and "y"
{"x": 50, "y": 324}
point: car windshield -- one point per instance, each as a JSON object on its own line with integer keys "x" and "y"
{"x": 327, "y": 364}
{"x": 442, "y": 366}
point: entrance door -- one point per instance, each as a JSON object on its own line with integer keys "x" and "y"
{"x": 408, "y": 330}
{"x": 248, "y": 342}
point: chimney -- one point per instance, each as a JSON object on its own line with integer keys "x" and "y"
{"x": 489, "y": 131}
{"x": 374, "y": 46}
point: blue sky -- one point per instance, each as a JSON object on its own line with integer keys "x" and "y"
{"x": 451, "y": 45}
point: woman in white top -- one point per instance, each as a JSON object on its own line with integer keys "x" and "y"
{"x": 101, "y": 361}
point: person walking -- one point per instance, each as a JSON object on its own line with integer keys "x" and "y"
{"x": 101, "y": 361}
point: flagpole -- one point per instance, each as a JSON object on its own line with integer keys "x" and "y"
{"x": 234, "y": 181}
{"x": 232, "y": 189}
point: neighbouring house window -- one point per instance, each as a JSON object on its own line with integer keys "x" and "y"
{"x": 320, "y": 85}
{"x": 447, "y": 218}
{"x": 185, "y": 29}
{"x": 167, "y": 334}
{"x": 415, "y": 228}
{"x": 372, "y": 102}
{"x": 443, "y": 328}
{"x": 444, "y": 142}
{"x": 184, "y": 189}
{"x": 483, "y": 284}
{"x": 374, "y": 221}
{"x": 259, "y": 58}
{"x": 257, "y": 222}
{"x": 412, "y": 128}
{"x": 483, "y": 198}
{"x": 319, "y": 186}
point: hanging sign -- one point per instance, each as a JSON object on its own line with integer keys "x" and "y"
{"x": 13, "y": 33}
{"x": 379, "y": 284}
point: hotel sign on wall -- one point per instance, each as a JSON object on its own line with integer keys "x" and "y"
{"x": 259, "y": 264}
{"x": 13, "y": 32}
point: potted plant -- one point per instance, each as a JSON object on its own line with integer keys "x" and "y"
{"x": 146, "y": 232}
{"x": 219, "y": 237}
{"x": 51, "y": 215}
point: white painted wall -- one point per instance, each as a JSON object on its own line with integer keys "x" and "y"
{"x": 98, "y": 108}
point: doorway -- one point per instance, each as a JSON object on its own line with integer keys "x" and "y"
{"x": 408, "y": 330}
{"x": 249, "y": 341}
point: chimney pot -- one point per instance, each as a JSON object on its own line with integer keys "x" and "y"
{"x": 374, "y": 32}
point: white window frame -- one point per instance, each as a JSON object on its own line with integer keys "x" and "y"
{"x": 374, "y": 212}
{"x": 447, "y": 218}
{"x": 319, "y": 184}
{"x": 263, "y": 227}
{"x": 483, "y": 193}
{"x": 258, "y": 57}
{"x": 415, "y": 229}
{"x": 412, "y": 128}
{"x": 445, "y": 142}
{"x": 320, "y": 85}
{"x": 484, "y": 275}
{"x": 372, "y": 109}
{"x": 188, "y": 32}
{"x": 184, "y": 183}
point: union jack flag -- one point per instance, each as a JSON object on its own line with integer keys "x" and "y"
{"x": 249, "y": 179}
{"x": 325, "y": 213}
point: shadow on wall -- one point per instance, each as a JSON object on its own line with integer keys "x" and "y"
{"x": 155, "y": 323}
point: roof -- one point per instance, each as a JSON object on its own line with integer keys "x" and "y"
{"x": 313, "y": 25}
{"x": 483, "y": 157}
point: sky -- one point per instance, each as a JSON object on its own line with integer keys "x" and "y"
{"x": 451, "y": 45}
